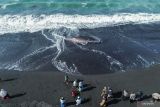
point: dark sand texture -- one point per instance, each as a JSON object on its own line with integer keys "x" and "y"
{"x": 39, "y": 87}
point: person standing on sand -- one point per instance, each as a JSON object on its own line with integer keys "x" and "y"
{"x": 110, "y": 92}
{"x": 62, "y": 102}
{"x": 75, "y": 84}
{"x": 80, "y": 86}
{"x": 103, "y": 103}
{"x": 74, "y": 92}
{"x": 66, "y": 79}
{"x": 104, "y": 91}
{"x": 78, "y": 101}
{"x": 4, "y": 94}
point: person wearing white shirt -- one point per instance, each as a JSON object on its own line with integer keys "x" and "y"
{"x": 75, "y": 83}
{"x": 80, "y": 88}
{"x": 78, "y": 101}
{"x": 62, "y": 102}
{"x": 132, "y": 97}
{"x": 4, "y": 94}
{"x": 125, "y": 95}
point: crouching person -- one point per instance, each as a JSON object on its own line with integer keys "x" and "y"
{"x": 125, "y": 95}
{"x": 155, "y": 97}
{"x": 132, "y": 97}
{"x": 4, "y": 94}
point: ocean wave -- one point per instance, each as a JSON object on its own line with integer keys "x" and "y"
{"x": 32, "y": 23}
{"x": 80, "y": 4}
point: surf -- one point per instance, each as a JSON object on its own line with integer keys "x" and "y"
{"x": 33, "y": 23}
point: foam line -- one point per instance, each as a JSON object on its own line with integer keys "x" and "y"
{"x": 32, "y": 23}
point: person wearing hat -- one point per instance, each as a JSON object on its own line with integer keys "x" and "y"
{"x": 62, "y": 102}
{"x": 78, "y": 100}
{"x": 4, "y": 94}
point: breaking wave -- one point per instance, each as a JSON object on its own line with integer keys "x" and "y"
{"x": 23, "y": 49}
{"x": 33, "y": 23}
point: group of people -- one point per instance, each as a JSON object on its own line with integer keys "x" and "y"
{"x": 77, "y": 88}
{"x": 106, "y": 94}
{"x": 132, "y": 97}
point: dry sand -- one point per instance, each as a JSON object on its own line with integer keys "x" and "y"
{"x": 48, "y": 87}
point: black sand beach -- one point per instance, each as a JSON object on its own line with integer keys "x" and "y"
{"x": 38, "y": 87}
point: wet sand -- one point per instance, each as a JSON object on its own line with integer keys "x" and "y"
{"x": 36, "y": 87}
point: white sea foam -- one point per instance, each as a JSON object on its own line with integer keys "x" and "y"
{"x": 31, "y": 23}
{"x": 4, "y": 6}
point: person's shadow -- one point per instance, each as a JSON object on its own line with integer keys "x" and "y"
{"x": 116, "y": 98}
{"x": 7, "y": 80}
{"x": 145, "y": 97}
{"x": 70, "y": 103}
{"x": 88, "y": 87}
{"x": 117, "y": 94}
{"x": 85, "y": 100}
{"x": 114, "y": 101}
{"x": 17, "y": 95}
